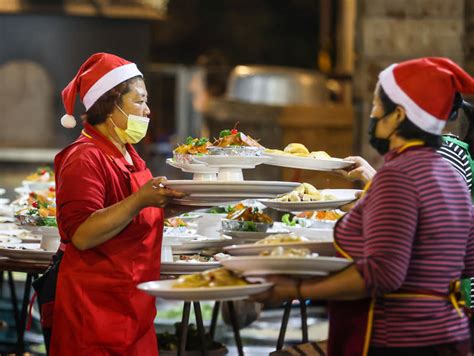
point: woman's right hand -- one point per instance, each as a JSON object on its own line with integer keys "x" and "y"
{"x": 361, "y": 170}
{"x": 154, "y": 193}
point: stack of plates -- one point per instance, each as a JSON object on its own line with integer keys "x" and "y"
{"x": 209, "y": 193}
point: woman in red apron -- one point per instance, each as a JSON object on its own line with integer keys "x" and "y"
{"x": 410, "y": 236}
{"x": 110, "y": 218}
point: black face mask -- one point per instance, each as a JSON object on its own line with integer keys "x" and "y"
{"x": 381, "y": 145}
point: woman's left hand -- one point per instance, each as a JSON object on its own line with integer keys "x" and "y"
{"x": 284, "y": 289}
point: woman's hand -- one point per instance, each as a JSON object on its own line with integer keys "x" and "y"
{"x": 154, "y": 193}
{"x": 361, "y": 170}
{"x": 284, "y": 289}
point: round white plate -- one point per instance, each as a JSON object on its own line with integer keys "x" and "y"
{"x": 253, "y": 235}
{"x": 164, "y": 289}
{"x": 343, "y": 196}
{"x": 192, "y": 167}
{"x": 264, "y": 265}
{"x": 25, "y": 251}
{"x": 2, "y": 191}
{"x": 187, "y": 267}
{"x": 220, "y": 161}
{"x": 307, "y": 162}
{"x": 195, "y": 246}
{"x": 246, "y": 188}
{"x": 321, "y": 248}
{"x": 190, "y": 217}
{"x": 4, "y": 201}
{"x": 320, "y": 235}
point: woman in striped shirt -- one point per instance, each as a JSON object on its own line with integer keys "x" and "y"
{"x": 410, "y": 236}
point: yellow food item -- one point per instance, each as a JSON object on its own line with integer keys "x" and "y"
{"x": 287, "y": 252}
{"x": 218, "y": 277}
{"x": 303, "y": 192}
{"x": 281, "y": 239}
{"x": 319, "y": 155}
{"x": 297, "y": 149}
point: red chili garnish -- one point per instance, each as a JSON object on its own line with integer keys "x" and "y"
{"x": 234, "y": 132}
{"x": 32, "y": 194}
{"x": 34, "y": 204}
{"x": 43, "y": 171}
{"x": 51, "y": 189}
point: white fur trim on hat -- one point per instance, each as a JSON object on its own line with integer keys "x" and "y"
{"x": 108, "y": 81}
{"x": 68, "y": 121}
{"x": 421, "y": 118}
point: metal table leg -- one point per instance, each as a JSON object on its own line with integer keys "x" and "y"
{"x": 304, "y": 321}
{"x": 235, "y": 326}
{"x": 215, "y": 316}
{"x": 184, "y": 328}
{"x": 284, "y": 325}
{"x": 200, "y": 327}
{"x": 20, "y": 345}
{"x": 14, "y": 299}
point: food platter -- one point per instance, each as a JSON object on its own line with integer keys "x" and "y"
{"x": 36, "y": 185}
{"x": 253, "y": 235}
{"x": 197, "y": 245}
{"x": 265, "y": 265}
{"x": 343, "y": 196}
{"x": 185, "y": 267}
{"x": 322, "y": 248}
{"x": 292, "y": 161}
{"x": 165, "y": 290}
{"x": 243, "y": 188}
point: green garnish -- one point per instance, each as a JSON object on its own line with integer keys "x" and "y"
{"x": 224, "y": 133}
{"x": 285, "y": 219}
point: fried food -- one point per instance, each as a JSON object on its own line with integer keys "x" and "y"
{"x": 249, "y": 214}
{"x": 304, "y": 192}
{"x": 235, "y": 138}
{"x": 193, "y": 146}
{"x": 218, "y": 277}
{"x": 297, "y": 149}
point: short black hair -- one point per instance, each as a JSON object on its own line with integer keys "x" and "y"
{"x": 104, "y": 106}
{"x": 407, "y": 129}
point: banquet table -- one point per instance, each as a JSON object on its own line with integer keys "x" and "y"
{"x": 32, "y": 269}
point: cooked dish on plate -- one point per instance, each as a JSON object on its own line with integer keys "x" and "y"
{"x": 304, "y": 192}
{"x": 218, "y": 277}
{"x": 234, "y": 137}
{"x": 175, "y": 222}
{"x": 281, "y": 239}
{"x": 193, "y": 258}
{"x": 299, "y": 150}
{"x": 42, "y": 174}
{"x": 321, "y": 214}
{"x": 193, "y": 146}
{"x": 247, "y": 219}
{"x": 288, "y": 252}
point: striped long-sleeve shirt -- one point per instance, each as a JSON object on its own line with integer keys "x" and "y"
{"x": 410, "y": 231}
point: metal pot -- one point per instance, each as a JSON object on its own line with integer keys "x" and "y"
{"x": 279, "y": 86}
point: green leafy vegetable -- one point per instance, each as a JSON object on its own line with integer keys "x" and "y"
{"x": 285, "y": 219}
{"x": 224, "y": 133}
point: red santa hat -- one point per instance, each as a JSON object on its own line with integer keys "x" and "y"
{"x": 97, "y": 75}
{"x": 425, "y": 87}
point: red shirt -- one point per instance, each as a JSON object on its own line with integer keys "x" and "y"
{"x": 88, "y": 180}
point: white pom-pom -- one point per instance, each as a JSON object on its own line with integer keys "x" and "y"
{"x": 68, "y": 121}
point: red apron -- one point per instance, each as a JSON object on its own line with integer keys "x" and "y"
{"x": 100, "y": 311}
